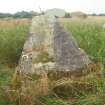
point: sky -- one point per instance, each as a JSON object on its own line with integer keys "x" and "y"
{"x": 87, "y": 6}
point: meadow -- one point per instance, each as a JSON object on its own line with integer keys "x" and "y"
{"x": 90, "y": 36}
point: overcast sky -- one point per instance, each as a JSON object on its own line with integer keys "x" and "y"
{"x": 88, "y": 6}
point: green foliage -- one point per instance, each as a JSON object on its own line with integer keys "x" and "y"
{"x": 67, "y": 15}
{"x": 11, "y": 43}
{"x": 90, "y": 36}
{"x": 46, "y": 100}
{"x": 5, "y": 78}
{"x": 22, "y": 14}
{"x": 3, "y": 15}
{"x": 96, "y": 99}
{"x": 3, "y": 99}
{"x": 5, "y": 75}
{"x": 43, "y": 57}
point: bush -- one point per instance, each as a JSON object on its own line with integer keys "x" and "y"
{"x": 67, "y": 15}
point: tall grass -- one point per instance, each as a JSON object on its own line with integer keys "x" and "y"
{"x": 88, "y": 90}
{"x": 11, "y": 41}
{"x": 12, "y": 36}
{"x": 90, "y": 36}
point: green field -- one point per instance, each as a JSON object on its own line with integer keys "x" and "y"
{"x": 90, "y": 36}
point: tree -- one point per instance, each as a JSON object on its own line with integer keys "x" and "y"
{"x": 67, "y": 15}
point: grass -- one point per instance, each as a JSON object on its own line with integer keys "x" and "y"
{"x": 5, "y": 80}
{"x": 49, "y": 100}
{"x": 11, "y": 41}
{"x": 90, "y": 36}
{"x": 12, "y": 36}
{"x": 5, "y": 75}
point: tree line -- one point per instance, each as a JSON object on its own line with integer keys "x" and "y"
{"x": 22, "y": 14}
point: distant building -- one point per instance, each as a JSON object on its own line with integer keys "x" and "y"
{"x": 78, "y": 14}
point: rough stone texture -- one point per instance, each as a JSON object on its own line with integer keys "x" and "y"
{"x": 38, "y": 48}
{"x": 68, "y": 56}
{"x": 50, "y": 47}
